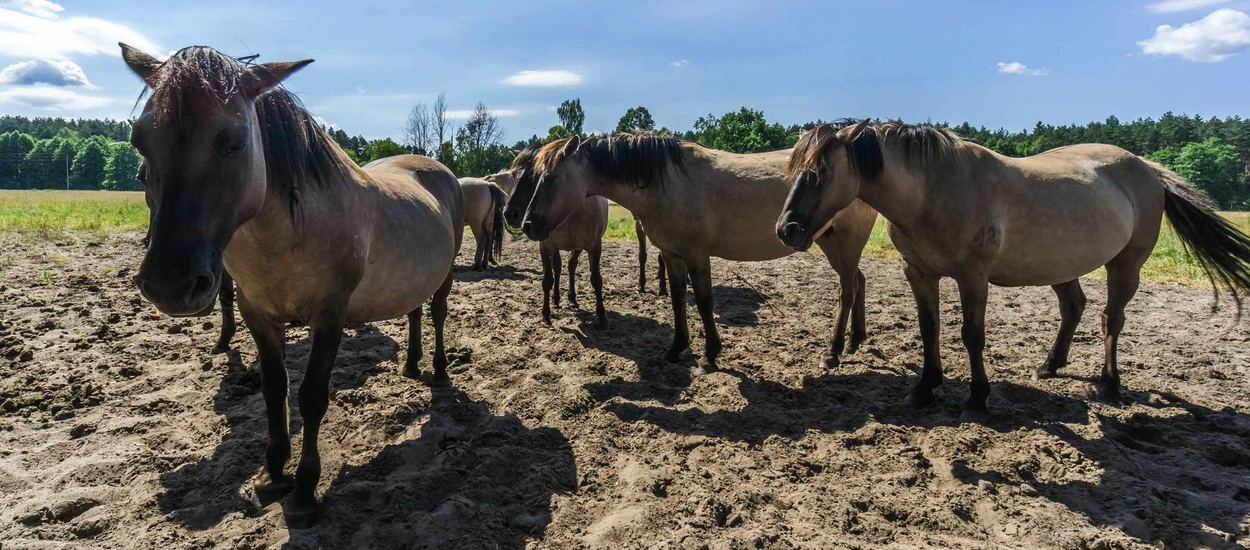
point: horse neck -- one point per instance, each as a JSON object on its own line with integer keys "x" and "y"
{"x": 638, "y": 200}
{"x": 899, "y": 192}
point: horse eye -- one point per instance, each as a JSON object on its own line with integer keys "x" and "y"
{"x": 236, "y": 148}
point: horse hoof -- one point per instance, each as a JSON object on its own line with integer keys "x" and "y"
{"x": 573, "y": 304}
{"x": 1107, "y": 393}
{"x": 673, "y": 356}
{"x": 663, "y": 292}
{"x": 220, "y": 349}
{"x": 270, "y": 492}
{"x": 442, "y": 381}
{"x": 301, "y": 517}
{"x": 919, "y": 399}
{"x": 975, "y": 412}
{"x": 1043, "y": 373}
{"x": 411, "y": 371}
{"x": 601, "y": 323}
{"x": 829, "y": 363}
{"x": 704, "y": 367}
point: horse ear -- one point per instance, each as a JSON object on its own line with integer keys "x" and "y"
{"x": 262, "y": 78}
{"x": 142, "y": 64}
{"x": 853, "y": 132}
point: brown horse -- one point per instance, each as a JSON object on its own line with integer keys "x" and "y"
{"x": 240, "y": 177}
{"x": 696, "y": 203}
{"x": 583, "y": 229}
{"x": 225, "y": 294}
{"x": 959, "y": 210}
{"x": 483, "y": 213}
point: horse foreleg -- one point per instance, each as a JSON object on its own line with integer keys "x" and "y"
{"x": 548, "y": 281}
{"x": 846, "y": 302}
{"x": 677, "y": 295}
{"x": 438, "y": 309}
{"x": 573, "y": 256}
{"x": 411, "y": 368}
{"x": 226, "y": 295}
{"x": 1071, "y": 306}
{"x": 270, "y": 338}
{"x": 482, "y": 238}
{"x": 924, "y": 287}
{"x": 596, "y": 282}
{"x": 642, "y": 258}
{"x": 314, "y": 399}
{"x": 556, "y": 267}
{"x": 660, "y": 275}
{"x": 701, "y": 278}
{"x": 973, "y": 293}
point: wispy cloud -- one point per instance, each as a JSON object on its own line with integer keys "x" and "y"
{"x": 545, "y": 78}
{"x": 56, "y": 72}
{"x": 466, "y": 113}
{"x": 37, "y": 8}
{"x": 35, "y": 29}
{"x": 1016, "y": 67}
{"x": 679, "y": 63}
{"x": 52, "y": 99}
{"x": 1172, "y": 6}
{"x": 1213, "y": 38}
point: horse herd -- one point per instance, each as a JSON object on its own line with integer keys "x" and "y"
{"x": 240, "y": 179}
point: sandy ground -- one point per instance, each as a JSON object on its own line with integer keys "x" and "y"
{"x": 118, "y": 428}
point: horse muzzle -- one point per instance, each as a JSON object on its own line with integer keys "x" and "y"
{"x": 179, "y": 292}
{"x": 794, "y": 235}
{"x": 536, "y": 230}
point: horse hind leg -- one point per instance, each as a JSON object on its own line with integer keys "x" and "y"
{"x": 573, "y": 257}
{"x": 438, "y": 310}
{"x": 226, "y": 295}
{"x": 1071, "y": 307}
{"x": 1123, "y": 277}
{"x": 411, "y": 368}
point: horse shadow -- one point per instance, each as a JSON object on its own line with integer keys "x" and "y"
{"x": 736, "y": 307}
{"x": 468, "y": 479}
{"x": 201, "y": 494}
{"x": 1170, "y": 480}
{"x": 463, "y": 274}
{"x": 642, "y": 341}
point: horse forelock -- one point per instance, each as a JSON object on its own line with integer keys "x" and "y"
{"x": 297, "y": 151}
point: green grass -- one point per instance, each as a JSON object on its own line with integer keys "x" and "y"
{"x": 40, "y": 212}
{"x": 94, "y": 211}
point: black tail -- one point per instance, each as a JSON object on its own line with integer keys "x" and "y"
{"x": 498, "y": 200}
{"x": 1221, "y": 248}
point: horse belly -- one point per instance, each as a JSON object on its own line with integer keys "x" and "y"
{"x": 1059, "y": 256}
{"x": 403, "y": 277}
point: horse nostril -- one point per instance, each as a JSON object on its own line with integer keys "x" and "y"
{"x": 791, "y": 230}
{"x": 526, "y": 226}
{"x": 203, "y": 285}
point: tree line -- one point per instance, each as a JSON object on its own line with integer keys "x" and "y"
{"x": 51, "y": 153}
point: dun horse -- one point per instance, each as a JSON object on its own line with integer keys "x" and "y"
{"x": 240, "y": 177}
{"x": 696, "y": 203}
{"x": 959, "y": 210}
{"x": 581, "y": 230}
{"x": 483, "y": 213}
{"x": 507, "y": 181}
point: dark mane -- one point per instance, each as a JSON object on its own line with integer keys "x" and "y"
{"x": 920, "y": 144}
{"x": 298, "y": 152}
{"x": 523, "y": 163}
{"x": 639, "y": 159}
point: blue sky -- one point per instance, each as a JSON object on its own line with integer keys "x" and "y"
{"x": 999, "y": 64}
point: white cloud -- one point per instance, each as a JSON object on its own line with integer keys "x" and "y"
{"x": 1016, "y": 67}
{"x": 25, "y": 35}
{"x": 1213, "y": 38}
{"x": 466, "y": 113}
{"x": 57, "y": 72}
{"x": 544, "y": 78}
{"x": 52, "y": 99}
{"x": 38, "y": 8}
{"x": 680, "y": 63}
{"x": 550, "y": 107}
{"x": 1172, "y": 6}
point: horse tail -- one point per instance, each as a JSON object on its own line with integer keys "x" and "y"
{"x": 498, "y": 200}
{"x": 1221, "y": 249}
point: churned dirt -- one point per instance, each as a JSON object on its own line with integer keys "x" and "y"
{"x": 119, "y": 429}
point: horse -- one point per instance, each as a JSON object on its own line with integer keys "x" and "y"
{"x": 240, "y": 178}
{"x": 642, "y": 262}
{"x": 697, "y": 203}
{"x": 582, "y": 229}
{"x": 483, "y": 213}
{"x": 959, "y": 210}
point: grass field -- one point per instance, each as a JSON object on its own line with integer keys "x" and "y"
{"x": 38, "y": 212}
